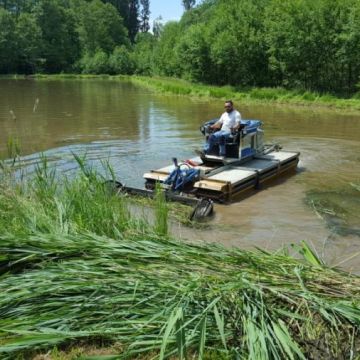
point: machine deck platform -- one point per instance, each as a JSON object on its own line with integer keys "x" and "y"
{"x": 225, "y": 178}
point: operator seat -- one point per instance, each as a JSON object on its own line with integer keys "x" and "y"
{"x": 233, "y": 143}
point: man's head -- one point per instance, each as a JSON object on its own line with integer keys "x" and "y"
{"x": 229, "y": 106}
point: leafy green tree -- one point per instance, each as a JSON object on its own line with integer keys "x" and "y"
{"x": 220, "y": 43}
{"x": 166, "y": 60}
{"x": 120, "y": 5}
{"x": 121, "y": 61}
{"x": 129, "y": 11}
{"x": 236, "y": 41}
{"x": 97, "y": 63}
{"x": 349, "y": 49}
{"x": 188, "y": 4}
{"x": 302, "y": 44}
{"x": 200, "y": 14}
{"x": 313, "y": 44}
{"x": 223, "y": 51}
{"x": 101, "y": 28}
{"x": 133, "y": 19}
{"x": 193, "y": 54}
{"x": 291, "y": 32}
{"x": 144, "y": 53}
{"x": 144, "y": 15}
{"x": 7, "y": 42}
{"x": 17, "y": 6}
{"x": 28, "y": 37}
{"x": 60, "y": 44}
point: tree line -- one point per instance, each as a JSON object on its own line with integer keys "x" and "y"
{"x": 68, "y": 35}
{"x": 304, "y": 44}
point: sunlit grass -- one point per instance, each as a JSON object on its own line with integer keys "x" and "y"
{"x": 269, "y": 95}
{"x": 77, "y": 266}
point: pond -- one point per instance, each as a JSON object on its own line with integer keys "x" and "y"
{"x": 137, "y": 130}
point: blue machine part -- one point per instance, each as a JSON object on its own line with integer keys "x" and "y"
{"x": 249, "y": 131}
{"x": 251, "y": 125}
{"x": 247, "y": 152}
{"x": 178, "y": 178}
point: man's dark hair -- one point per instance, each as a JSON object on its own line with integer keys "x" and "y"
{"x": 230, "y": 102}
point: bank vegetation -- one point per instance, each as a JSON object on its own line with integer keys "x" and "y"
{"x": 242, "y": 95}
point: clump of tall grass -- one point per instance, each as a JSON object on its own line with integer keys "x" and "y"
{"x": 161, "y": 212}
{"x": 13, "y": 152}
{"x": 51, "y": 203}
{"x": 75, "y": 265}
{"x": 268, "y": 93}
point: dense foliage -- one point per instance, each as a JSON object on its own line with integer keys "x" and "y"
{"x": 68, "y": 35}
{"x": 302, "y": 44}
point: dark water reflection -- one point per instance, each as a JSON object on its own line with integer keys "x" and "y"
{"x": 136, "y": 130}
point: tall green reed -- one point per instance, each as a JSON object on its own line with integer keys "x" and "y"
{"x": 161, "y": 212}
{"x": 54, "y": 203}
{"x": 44, "y": 182}
{"x": 13, "y": 154}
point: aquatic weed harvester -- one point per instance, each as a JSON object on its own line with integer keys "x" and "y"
{"x": 199, "y": 181}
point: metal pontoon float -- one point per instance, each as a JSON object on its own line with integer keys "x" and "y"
{"x": 248, "y": 164}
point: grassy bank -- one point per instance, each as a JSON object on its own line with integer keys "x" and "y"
{"x": 249, "y": 95}
{"x": 77, "y": 268}
{"x": 262, "y": 95}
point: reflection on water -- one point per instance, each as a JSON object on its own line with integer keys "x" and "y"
{"x": 135, "y": 130}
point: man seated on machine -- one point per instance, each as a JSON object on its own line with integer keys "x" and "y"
{"x": 228, "y": 123}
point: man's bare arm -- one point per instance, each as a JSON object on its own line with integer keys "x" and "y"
{"x": 217, "y": 125}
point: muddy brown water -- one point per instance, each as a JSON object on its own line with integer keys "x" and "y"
{"x": 137, "y": 130}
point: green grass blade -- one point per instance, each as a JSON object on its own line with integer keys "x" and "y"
{"x": 174, "y": 317}
{"x": 284, "y": 339}
{"x": 202, "y": 337}
{"x": 220, "y": 325}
